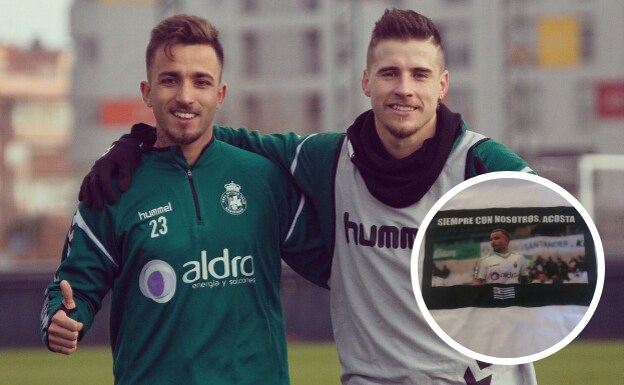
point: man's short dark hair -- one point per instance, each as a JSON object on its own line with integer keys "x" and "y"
{"x": 182, "y": 29}
{"x": 503, "y": 231}
{"x": 404, "y": 24}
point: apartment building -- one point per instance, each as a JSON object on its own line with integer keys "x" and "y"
{"x": 37, "y": 191}
{"x": 544, "y": 77}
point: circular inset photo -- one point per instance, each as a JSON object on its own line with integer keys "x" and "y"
{"x": 507, "y": 268}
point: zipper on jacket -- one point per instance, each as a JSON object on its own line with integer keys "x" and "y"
{"x": 189, "y": 173}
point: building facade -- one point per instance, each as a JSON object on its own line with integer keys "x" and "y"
{"x": 37, "y": 188}
{"x": 287, "y": 64}
{"x": 544, "y": 77}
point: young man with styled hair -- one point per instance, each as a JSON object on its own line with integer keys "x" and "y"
{"x": 191, "y": 253}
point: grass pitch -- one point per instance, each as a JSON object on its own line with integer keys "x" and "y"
{"x": 582, "y": 362}
{"x": 310, "y": 364}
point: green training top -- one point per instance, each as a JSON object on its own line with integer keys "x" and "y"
{"x": 191, "y": 256}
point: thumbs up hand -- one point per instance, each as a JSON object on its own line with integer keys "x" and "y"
{"x": 68, "y": 305}
{"x": 63, "y": 331}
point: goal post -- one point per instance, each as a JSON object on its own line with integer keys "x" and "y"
{"x": 589, "y": 164}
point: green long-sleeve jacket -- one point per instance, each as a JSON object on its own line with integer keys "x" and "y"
{"x": 191, "y": 258}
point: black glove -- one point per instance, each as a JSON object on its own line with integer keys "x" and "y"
{"x": 122, "y": 158}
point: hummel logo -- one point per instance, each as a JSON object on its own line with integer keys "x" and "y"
{"x": 381, "y": 236}
{"x": 154, "y": 212}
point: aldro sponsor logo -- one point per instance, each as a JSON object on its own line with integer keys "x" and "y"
{"x": 495, "y": 276}
{"x": 381, "y": 236}
{"x": 158, "y": 280}
{"x": 219, "y": 271}
{"x": 506, "y": 275}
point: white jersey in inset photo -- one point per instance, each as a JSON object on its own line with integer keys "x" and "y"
{"x": 502, "y": 268}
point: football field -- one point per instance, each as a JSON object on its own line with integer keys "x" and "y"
{"x": 583, "y": 362}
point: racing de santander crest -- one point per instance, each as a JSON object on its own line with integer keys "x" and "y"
{"x": 232, "y": 200}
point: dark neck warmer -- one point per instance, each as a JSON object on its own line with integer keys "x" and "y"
{"x": 402, "y": 182}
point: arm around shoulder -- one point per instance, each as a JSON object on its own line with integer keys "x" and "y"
{"x": 285, "y": 149}
{"x": 303, "y": 247}
{"x": 279, "y": 148}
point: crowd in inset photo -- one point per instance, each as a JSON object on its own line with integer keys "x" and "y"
{"x": 550, "y": 270}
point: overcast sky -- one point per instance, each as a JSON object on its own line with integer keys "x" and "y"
{"x": 21, "y": 21}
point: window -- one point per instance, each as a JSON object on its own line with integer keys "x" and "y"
{"x": 521, "y": 41}
{"x": 310, "y": 5}
{"x": 29, "y": 118}
{"x": 460, "y": 98}
{"x": 250, "y": 6}
{"x": 343, "y": 43}
{"x": 586, "y": 106}
{"x": 313, "y": 112}
{"x": 587, "y": 39}
{"x": 525, "y": 106}
{"x": 551, "y": 40}
{"x": 313, "y": 51}
{"x": 456, "y": 40}
{"x": 253, "y": 110}
{"x": 88, "y": 49}
{"x": 251, "y": 54}
{"x": 278, "y": 6}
